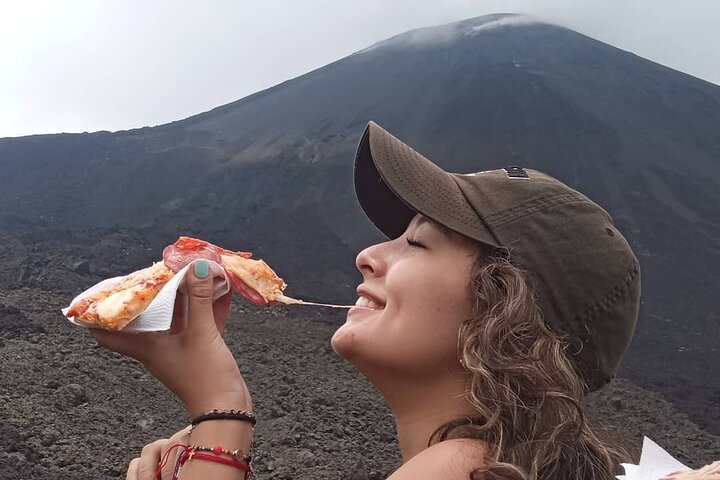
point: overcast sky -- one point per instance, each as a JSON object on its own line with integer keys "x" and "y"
{"x": 88, "y": 65}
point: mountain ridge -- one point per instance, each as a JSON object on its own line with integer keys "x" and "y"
{"x": 272, "y": 172}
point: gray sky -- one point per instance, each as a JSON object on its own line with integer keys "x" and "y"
{"x": 88, "y": 65}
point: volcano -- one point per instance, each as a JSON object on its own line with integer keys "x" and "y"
{"x": 272, "y": 173}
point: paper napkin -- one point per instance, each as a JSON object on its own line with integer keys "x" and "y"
{"x": 655, "y": 463}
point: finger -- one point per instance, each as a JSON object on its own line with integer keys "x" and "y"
{"x": 180, "y": 438}
{"x": 200, "y": 297}
{"x": 707, "y": 472}
{"x": 150, "y": 458}
{"x": 132, "y": 473}
{"x": 221, "y": 309}
{"x": 129, "y": 344}
{"x": 179, "y": 320}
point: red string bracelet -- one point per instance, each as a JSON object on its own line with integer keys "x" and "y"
{"x": 192, "y": 452}
{"x": 166, "y": 456}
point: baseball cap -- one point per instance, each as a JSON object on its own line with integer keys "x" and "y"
{"x": 583, "y": 271}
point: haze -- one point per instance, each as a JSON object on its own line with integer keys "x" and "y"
{"x": 84, "y": 65}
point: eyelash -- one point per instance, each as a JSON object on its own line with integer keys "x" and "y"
{"x": 414, "y": 243}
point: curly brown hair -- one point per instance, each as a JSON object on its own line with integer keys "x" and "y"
{"x": 523, "y": 386}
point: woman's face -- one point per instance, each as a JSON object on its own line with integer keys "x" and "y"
{"x": 412, "y": 301}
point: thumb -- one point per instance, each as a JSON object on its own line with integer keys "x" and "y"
{"x": 199, "y": 283}
{"x": 183, "y": 438}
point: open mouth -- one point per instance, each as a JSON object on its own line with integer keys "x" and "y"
{"x": 367, "y": 303}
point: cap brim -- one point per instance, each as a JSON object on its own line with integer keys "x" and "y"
{"x": 393, "y": 183}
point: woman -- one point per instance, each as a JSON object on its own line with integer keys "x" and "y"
{"x": 500, "y": 300}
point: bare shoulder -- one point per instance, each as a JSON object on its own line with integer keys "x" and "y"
{"x": 450, "y": 460}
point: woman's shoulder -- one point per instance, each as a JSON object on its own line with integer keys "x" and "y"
{"x": 451, "y": 460}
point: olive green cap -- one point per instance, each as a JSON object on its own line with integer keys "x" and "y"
{"x": 584, "y": 272}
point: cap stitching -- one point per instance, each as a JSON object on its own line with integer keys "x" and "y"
{"x": 613, "y": 295}
{"x": 595, "y": 374}
{"x": 401, "y": 174}
{"x": 477, "y": 212}
{"x": 510, "y": 215}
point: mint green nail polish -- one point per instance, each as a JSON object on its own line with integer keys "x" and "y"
{"x": 201, "y": 268}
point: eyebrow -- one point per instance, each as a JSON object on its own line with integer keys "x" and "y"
{"x": 445, "y": 230}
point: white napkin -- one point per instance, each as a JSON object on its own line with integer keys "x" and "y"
{"x": 655, "y": 463}
{"x": 158, "y": 315}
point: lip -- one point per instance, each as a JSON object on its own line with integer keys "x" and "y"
{"x": 364, "y": 292}
{"x": 359, "y": 311}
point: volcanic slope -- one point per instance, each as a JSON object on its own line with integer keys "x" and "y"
{"x": 273, "y": 172}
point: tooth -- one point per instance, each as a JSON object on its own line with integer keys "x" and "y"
{"x": 367, "y": 303}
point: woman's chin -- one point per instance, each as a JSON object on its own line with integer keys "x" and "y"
{"x": 344, "y": 341}
{"x": 354, "y": 340}
{"x": 350, "y": 340}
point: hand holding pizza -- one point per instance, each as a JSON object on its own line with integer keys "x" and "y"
{"x": 708, "y": 472}
{"x": 191, "y": 359}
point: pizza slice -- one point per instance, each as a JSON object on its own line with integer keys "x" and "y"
{"x": 115, "y": 307}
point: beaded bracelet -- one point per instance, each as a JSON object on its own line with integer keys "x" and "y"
{"x": 242, "y": 415}
{"x": 236, "y": 454}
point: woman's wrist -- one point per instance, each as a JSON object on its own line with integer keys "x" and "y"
{"x": 231, "y": 400}
{"x": 217, "y": 392}
{"x": 228, "y": 434}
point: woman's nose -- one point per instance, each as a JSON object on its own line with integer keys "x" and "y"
{"x": 371, "y": 261}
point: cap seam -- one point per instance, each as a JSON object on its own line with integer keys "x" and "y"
{"x": 614, "y": 294}
{"x": 597, "y": 375}
{"x": 399, "y": 176}
{"x": 477, "y": 212}
{"x": 512, "y": 214}
{"x": 609, "y": 297}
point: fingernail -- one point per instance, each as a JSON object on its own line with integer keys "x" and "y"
{"x": 201, "y": 269}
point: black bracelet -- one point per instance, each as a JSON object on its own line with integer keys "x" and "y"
{"x": 242, "y": 415}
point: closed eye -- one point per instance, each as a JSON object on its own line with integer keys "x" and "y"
{"x": 415, "y": 243}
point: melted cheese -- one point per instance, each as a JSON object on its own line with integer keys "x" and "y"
{"x": 256, "y": 274}
{"x": 115, "y": 308}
